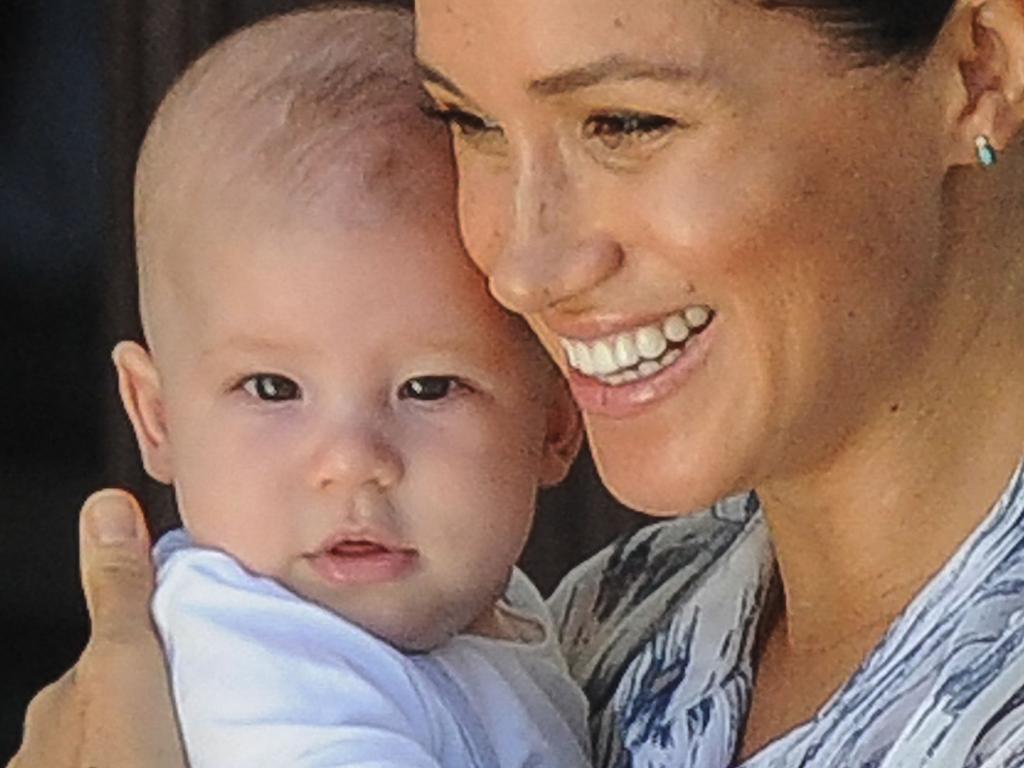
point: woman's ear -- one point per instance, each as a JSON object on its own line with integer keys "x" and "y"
{"x": 564, "y": 435}
{"x": 142, "y": 397}
{"x": 987, "y": 38}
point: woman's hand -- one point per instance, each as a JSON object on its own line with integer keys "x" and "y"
{"x": 113, "y": 708}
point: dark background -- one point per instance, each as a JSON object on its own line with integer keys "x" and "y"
{"x": 78, "y": 82}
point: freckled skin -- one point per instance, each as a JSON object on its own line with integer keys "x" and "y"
{"x": 771, "y": 204}
{"x": 866, "y": 372}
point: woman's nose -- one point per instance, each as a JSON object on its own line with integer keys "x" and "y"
{"x": 555, "y": 251}
{"x": 354, "y": 458}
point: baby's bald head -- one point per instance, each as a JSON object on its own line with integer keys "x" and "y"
{"x": 270, "y": 122}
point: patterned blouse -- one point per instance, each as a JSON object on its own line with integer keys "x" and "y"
{"x": 660, "y": 630}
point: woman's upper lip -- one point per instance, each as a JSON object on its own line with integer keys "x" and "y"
{"x": 587, "y": 328}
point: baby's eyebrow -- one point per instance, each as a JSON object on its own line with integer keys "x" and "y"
{"x": 247, "y": 343}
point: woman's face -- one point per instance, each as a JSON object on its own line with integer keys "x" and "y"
{"x": 627, "y": 166}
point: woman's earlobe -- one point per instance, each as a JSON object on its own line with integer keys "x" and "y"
{"x": 992, "y": 77}
{"x": 142, "y": 397}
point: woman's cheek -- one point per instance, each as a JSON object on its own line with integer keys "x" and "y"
{"x": 485, "y": 209}
{"x": 710, "y": 206}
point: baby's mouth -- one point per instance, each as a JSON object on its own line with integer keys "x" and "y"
{"x": 362, "y": 561}
{"x": 359, "y": 548}
{"x": 640, "y": 353}
{"x": 364, "y": 548}
{"x": 364, "y": 545}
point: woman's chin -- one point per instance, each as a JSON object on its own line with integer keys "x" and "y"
{"x": 664, "y": 483}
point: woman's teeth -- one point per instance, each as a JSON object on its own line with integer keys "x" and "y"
{"x": 637, "y": 354}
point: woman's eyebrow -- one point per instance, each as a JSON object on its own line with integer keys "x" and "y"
{"x": 615, "y": 68}
{"x": 430, "y": 75}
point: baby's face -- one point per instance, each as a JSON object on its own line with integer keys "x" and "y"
{"x": 347, "y": 411}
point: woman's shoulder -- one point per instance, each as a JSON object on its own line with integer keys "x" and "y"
{"x": 609, "y": 605}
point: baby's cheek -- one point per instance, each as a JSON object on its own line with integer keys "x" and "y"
{"x": 469, "y": 490}
{"x": 233, "y": 512}
{"x": 259, "y": 546}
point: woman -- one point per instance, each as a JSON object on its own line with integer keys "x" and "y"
{"x": 811, "y": 178}
{"x": 813, "y": 187}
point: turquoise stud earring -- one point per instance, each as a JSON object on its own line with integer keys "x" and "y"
{"x": 986, "y": 152}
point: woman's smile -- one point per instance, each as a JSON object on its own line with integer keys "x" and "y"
{"x": 639, "y": 352}
{"x": 632, "y": 364}
{"x": 662, "y": 367}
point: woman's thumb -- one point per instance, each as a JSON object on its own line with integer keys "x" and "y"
{"x": 117, "y": 572}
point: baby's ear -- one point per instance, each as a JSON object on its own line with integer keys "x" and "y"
{"x": 142, "y": 397}
{"x": 564, "y": 435}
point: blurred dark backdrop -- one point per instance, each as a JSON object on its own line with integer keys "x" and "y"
{"x": 78, "y": 82}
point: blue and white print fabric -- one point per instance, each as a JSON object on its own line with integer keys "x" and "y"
{"x": 660, "y": 630}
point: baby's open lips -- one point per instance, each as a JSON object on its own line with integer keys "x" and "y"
{"x": 361, "y": 548}
{"x": 362, "y": 543}
{"x": 353, "y": 559}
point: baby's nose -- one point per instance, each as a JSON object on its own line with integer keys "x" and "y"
{"x": 356, "y": 457}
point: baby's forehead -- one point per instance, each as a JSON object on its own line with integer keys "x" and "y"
{"x": 371, "y": 226}
{"x": 397, "y": 181}
{"x": 396, "y": 285}
{"x": 287, "y": 101}
{"x": 377, "y": 161}
{"x": 394, "y": 185}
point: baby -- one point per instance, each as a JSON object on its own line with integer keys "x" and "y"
{"x": 354, "y": 430}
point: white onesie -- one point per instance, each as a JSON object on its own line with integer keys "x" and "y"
{"x": 262, "y": 677}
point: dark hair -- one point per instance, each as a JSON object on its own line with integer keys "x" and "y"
{"x": 876, "y": 31}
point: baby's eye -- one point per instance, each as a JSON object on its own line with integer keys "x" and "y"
{"x": 623, "y": 129}
{"x": 271, "y": 387}
{"x": 428, "y": 388}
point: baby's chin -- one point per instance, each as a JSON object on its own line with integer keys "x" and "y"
{"x": 422, "y": 635}
{"x": 416, "y": 612}
{"x": 413, "y": 624}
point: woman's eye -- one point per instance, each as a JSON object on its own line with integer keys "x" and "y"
{"x": 271, "y": 387}
{"x": 464, "y": 125}
{"x": 614, "y": 130}
{"x": 428, "y": 388}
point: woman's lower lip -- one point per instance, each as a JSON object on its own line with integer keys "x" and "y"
{"x": 368, "y": 568}
{"x": 625, "y": 400}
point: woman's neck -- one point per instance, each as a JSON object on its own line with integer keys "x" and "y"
{"x": 857, "y": 538}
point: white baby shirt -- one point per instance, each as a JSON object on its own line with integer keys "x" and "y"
{"x": 262, "y": 677}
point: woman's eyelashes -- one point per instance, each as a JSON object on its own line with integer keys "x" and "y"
{"x": 625, "y": 130}
{"x": 270, "y": 387}
{"x": 461, "y": 123}
{"x": 613, "y": 131}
